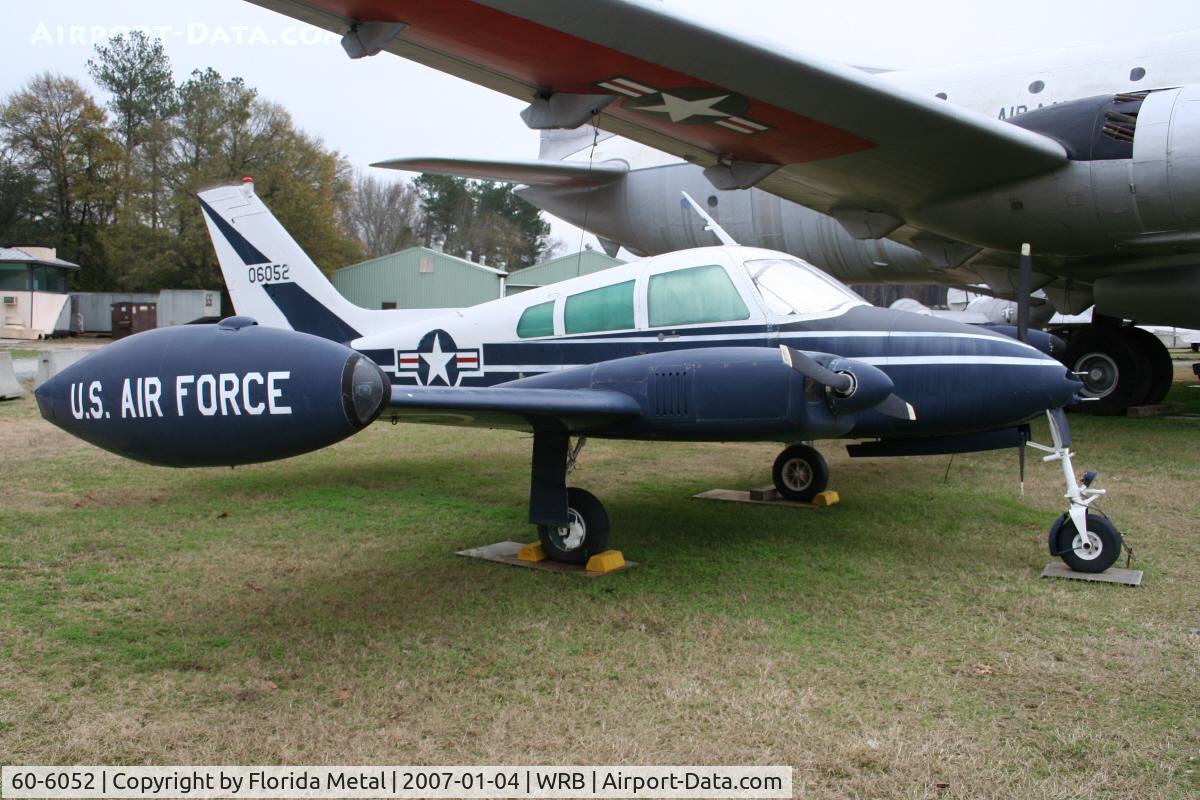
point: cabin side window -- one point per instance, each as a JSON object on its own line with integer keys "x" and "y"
{"x": 537, "y": 321}
{"x": 609, "y": 308}
{"x": 14, "y": 277}
{"x": 694, "y": 296}
{"x": 50, "y": 279}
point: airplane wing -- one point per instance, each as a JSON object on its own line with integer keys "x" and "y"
{"x": 530, "y": 173}
{"x": 541, "y": 410}
{"x": 822, "y": 134}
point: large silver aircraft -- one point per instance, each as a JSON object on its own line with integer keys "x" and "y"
{"x": 1092, "y": 155}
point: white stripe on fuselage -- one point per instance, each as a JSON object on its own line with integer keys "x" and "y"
{"x": 716, "y": 337}
{"x": 878, "y": 361}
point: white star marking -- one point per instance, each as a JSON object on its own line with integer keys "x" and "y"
{"x": 679, "y": 109}
{"x": 437, "y": 361}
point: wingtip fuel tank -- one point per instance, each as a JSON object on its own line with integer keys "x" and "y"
{"x": 209, "y": 395}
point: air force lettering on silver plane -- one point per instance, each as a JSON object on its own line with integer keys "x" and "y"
{"x": 712, "y": 344}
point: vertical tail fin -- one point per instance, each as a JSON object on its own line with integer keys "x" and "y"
{"x": 271, "y": 279}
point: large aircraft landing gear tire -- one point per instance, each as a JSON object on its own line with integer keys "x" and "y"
{"x": 1162, "y": 368}
{"x": 583, "y": 537}
{"x": 1113, "y": 368}
{"x": 1098, "y": 553}
{"x": 800, "y": 473}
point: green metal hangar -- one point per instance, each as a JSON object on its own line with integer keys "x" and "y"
{"x": 421, "y": 277}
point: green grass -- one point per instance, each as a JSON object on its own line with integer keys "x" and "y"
{"x": 313, "y": 611}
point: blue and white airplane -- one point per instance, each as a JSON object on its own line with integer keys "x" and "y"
{"x": 720, "y": 343}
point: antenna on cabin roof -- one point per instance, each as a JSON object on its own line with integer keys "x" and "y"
{"x": 710, "y": 224}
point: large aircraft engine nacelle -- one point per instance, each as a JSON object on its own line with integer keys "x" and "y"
{"x": 1165, "y": 177}
{"x": 209, "y": 395}
{"x": 1131, "y": 184}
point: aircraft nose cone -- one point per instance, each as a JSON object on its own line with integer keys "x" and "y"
{"x": 1065, "y": 388}
{"x": 1041, "y": 383}
{"x": 962, "y": 377}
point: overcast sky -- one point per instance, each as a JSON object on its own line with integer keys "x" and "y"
{"x": 385, "y": 107}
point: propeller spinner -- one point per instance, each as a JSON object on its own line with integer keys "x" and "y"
{"x": 852, "y": 386}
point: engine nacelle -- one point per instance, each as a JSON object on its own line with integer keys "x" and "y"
{"x": 209, "y": 395}
{"x": 1131, "y": 186}
{"x": 709, "y": 393}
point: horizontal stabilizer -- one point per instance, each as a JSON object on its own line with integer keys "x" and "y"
{"x": 531, "y": 173}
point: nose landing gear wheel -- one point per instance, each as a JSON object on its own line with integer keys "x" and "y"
{"x": 584, "y": 535}
{"x": 1097, "y": 553}
{"x": 800, "y": 473}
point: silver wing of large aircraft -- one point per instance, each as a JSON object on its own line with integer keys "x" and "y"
{"x": 530, "y": 173}
{"x": 815, "y": 132}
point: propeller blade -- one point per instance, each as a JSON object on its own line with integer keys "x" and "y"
{"x": 809, "y": 368}
{"x": 895, "y": 406}
{"x": 1024, "y": 292}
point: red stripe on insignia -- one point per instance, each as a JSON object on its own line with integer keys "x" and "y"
{"x": 612, "y": 87}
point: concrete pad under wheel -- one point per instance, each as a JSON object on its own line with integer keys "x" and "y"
{"x": 509, "y": 553}
{"x": 739, "y": 496}
{"x": 1128, "y": 577}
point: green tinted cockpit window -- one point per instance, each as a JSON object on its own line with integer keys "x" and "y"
{"x": 608, "y": 308}
{"x": 537, "y": 321}
{"x": 695, "y": 295}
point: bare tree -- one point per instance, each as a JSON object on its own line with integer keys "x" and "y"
{"x": 384, "y": 216}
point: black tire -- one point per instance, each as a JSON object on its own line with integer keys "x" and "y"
{"x": 1117, "y": 375}
{"x": 800, "y": 473}
{"x": 1162, "y": 368}
{"x": 586, "y": 511}
{"x": 1063, "y": 535}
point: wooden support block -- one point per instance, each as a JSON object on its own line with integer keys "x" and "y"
{"x": 510, "y": 553}
{"x": 532, "y": 553}
{"x": 608, "y": 561}
{"x": 764, "y": 493}
{"x": 826, "y": 498}
{"x": 1159, "y": 409}
{"x": 1129, "y": 577}
{"x": 742, "y": 496}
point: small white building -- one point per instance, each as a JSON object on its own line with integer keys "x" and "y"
{"x": 33, "y": 290}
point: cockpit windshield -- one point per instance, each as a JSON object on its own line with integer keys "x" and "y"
{"x": 790, "y": 287}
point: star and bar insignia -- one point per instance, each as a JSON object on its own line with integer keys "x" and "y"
{"x": 438, "y": 361}
{"x": 687, "y": 106}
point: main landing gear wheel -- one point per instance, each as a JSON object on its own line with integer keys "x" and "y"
{"x": 1095, "y": 554}
{"x": 800, "y": 473}
{"x": 585, "y": 535}
{"x": 1162, "y": 369}
{"x": 1113, "y": 368}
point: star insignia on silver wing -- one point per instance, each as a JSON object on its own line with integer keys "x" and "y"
{"x": 679, "y": 109}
